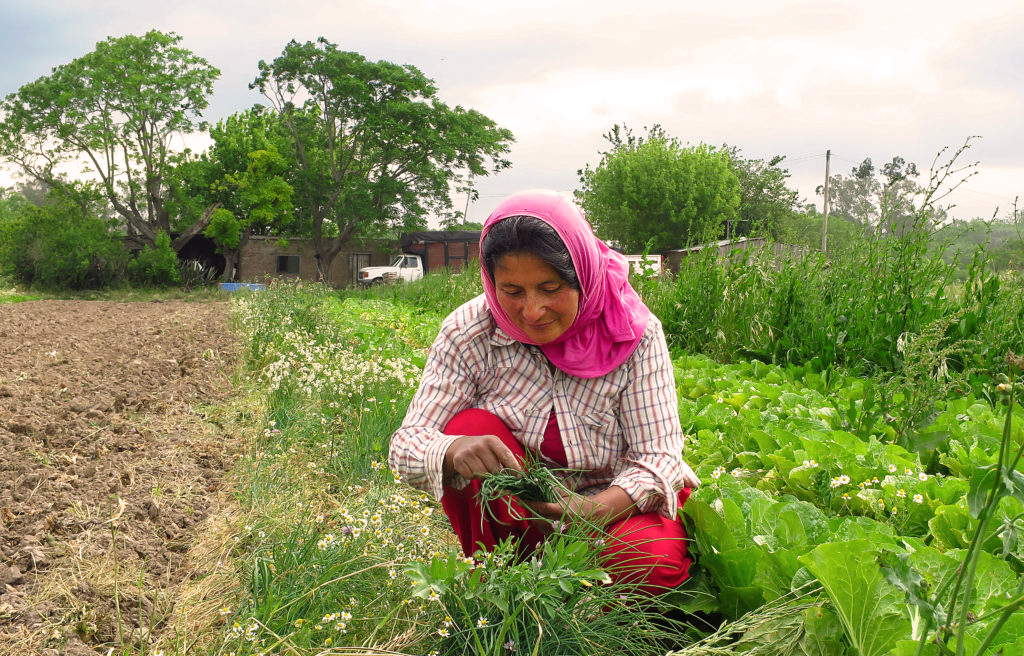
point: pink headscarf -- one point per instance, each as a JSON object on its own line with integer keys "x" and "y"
{"x": 611, "y": 317}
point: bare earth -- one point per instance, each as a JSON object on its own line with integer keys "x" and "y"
{"x": 111, "y": 466}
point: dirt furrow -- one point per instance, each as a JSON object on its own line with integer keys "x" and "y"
{"x": 111, "y": 462}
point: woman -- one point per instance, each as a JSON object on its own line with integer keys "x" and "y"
{"x": 559, "y": 358}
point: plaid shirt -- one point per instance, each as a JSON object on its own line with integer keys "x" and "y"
{"x": 619, "y": 429}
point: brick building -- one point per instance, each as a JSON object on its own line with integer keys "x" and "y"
{"x": 264, "y": 257}
{"x": 442, "y": 249}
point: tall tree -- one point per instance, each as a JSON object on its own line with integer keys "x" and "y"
{"x": 113, "y": 116}
{"x": 374, "y": 147}
{"x": 240, "y": 182}
{"x": 885, "y": 202}
{"x": 766, "y": 202}
{"x": 654, "y": 191}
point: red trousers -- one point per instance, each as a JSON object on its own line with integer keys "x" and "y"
{"x": 648, "y": 550}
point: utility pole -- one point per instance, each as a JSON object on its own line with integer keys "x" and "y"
{"x": 469, "y": 194}
{"x": 824, "y": 225}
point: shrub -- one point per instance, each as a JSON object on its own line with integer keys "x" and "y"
{"x": 156, "y": 266}
{"x": 60, "y": 247}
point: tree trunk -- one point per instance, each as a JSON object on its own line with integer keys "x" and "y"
{"x": 328, "y": 249}
{"x": 231, "y": 258}
{"x": 195, "y": 228}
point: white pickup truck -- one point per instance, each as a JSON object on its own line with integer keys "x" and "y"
{"x": 404, "y": 268}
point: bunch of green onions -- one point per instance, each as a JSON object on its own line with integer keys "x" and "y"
{"x": 534, "y": 483}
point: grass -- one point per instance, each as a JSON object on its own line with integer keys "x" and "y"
{"x": 13, "y": 296}
{"x": 118, "y": 295}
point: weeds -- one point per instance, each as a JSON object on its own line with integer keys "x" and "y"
{"x": 559, "y": 601}
{"x": 950, "y": 609}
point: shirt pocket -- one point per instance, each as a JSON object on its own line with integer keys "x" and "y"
{"x": 503, "y": 368}
{"x": 514, "y": 389}
{"x": 602, "y": 440}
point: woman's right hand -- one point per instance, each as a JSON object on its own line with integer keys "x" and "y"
{"x": 475, "y": 456}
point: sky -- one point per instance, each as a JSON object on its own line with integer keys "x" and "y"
{"x": 864, "y": 78}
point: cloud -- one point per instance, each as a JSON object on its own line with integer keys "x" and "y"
{"x": 864, "y": 78}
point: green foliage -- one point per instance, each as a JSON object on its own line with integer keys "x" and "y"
{"x": 534, "y": 483}
{"x": 332, "y": 529}
{"x": 224, "y": 229}
{"x": 328, "y": 578}
{"x": 882, "y": 201}
{"x": 440, "y": 291}
{"x": 654, "y": 191}
{"x": 860, "y": 309}
{"x": 193, "y": 273}
{"x": 373, "y": 145}
{"x": 805, "y": 228}
{"x": 766, "y": 203}
{"x": 557, "y": 601}
{"x": 871, "y": 609}
{"x": 115, "y": 112}
{"x": 59, "y": 246}
{"x": 1002, "y": 241}
{"x": 861, "y": 506}
{"x": 157, "y": 266}
{"x": 808, "y": 493}
{"x": 239, "y": 185}
{"x": 690, "y": 305}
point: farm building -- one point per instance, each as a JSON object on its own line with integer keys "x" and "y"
{"x": 442, "y": 248}
{"x": 268, "y": 257}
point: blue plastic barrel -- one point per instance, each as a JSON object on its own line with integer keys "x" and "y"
{"x": 235, "y": 286}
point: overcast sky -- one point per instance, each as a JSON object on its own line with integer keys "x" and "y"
{"x": 866, "y": 78}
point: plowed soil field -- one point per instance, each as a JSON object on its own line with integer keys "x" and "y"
{"x": 112, "y": 468}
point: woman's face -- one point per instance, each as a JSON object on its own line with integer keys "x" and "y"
{"x": 537, "y": 300}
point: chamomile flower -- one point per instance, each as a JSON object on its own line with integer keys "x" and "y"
{"x": 839, "y": 481}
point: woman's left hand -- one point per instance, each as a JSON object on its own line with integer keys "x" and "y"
{"x": 603, "y": 508}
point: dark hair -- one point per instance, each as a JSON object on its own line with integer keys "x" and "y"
{"x": 526, "y": 234}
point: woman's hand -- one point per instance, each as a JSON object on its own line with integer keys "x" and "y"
{"x": 601, "y": 509}
{"x": 475, "y": 456}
